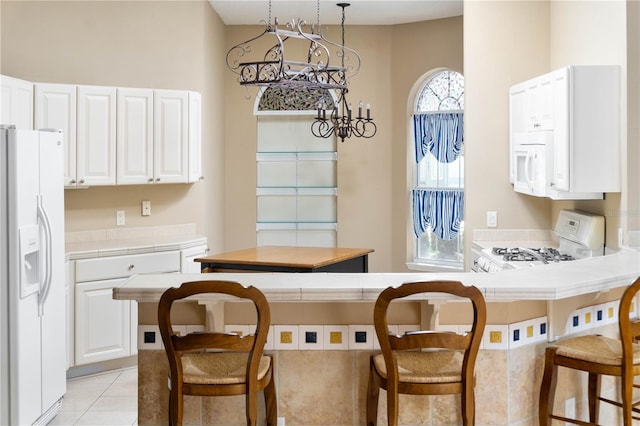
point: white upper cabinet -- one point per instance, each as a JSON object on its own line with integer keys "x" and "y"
{"x": 518, "y": 122}
{"x": 539, "y": 98}
{"x": 171, "y": 135}
{"x": 158, "y": 136}
{"x": 134, "y": 136}
{"x": 55, "y": 106}
{"x": 580, "y": 105}
{"x": 113, "y": 136}
{"x": 96, "y": 138}
{"x": 587, "y": 131}
{"x": 16, "y": 106}
{"x": 195, "y": 137}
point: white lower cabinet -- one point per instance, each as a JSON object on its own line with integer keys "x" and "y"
{"x": 188, "y": 257}
{"x": 105, "y": 328}
{"x": 103, "y": 324}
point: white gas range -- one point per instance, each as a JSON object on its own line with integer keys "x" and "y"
{"x": 580, "y": 235}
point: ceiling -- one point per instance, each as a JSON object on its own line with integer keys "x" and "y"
{"x": 360, "y": 12}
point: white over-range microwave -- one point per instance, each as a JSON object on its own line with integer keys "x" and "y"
{"x": 533, "y": 162}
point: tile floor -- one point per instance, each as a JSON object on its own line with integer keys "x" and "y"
{"x": 109, "y": 398}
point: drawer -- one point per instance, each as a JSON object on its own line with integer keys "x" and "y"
{"x": 105, "y": 268}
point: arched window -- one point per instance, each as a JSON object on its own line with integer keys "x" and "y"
{"x": 438, "y": 193}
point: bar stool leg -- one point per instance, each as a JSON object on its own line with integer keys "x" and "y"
{"x": 594, "y": 395}
{"x": 548, "y": 387}
{"x": 373, "y": 393}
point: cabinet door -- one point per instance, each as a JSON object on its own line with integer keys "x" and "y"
{"x": 171, "y": 133}
{"x": 133, "y": 329}
{"x": 188, "y": 266}
{"x": 561, "y": 138}
{"x": 103, "y": 325}
{"x": 540, "y": 103}
{"x": 55, "y": 106}
{"x": 195, "y": 137}
{"x": 96, "y": 136}
{"x": 518, "y": 122}
{"x": 134, "y": 148}
{"x": 70, "y": 312}
{"x": 16, "y": 108}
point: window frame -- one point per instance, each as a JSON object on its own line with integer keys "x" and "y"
{"x": 423, "y": 263}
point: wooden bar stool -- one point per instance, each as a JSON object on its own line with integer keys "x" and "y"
{"x": 425, "y": 362}
{"x": 597, "y": 355}
{"x": 236, "y": 367}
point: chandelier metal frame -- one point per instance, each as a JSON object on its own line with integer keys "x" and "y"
{"x": 315, "y": 71}
{"x": 275, "y": 69}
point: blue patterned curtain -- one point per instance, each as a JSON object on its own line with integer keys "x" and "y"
{"x": 440, "y": 209}
{"x": 442, "y": 134}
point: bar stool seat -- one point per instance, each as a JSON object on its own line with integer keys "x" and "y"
{"x": 597, "y": 356}
{"x": 424, "y": 367}
{"x": 214, "y": 363}
{"x": 596, "y": 349}
{"x": 425, "y": 362}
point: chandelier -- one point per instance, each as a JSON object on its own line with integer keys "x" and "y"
{"x": 277, "y": 68}
{"x": 315, "y": 70}
{"x": 341, "y": 121}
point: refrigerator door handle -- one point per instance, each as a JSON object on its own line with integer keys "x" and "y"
{"x": 46, "y": 282}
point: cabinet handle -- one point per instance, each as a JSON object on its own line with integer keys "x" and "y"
{"x": 552, "y": 184}
{"x": 157, "y": 179}
{"x": 150, "y": 180}
{"x": 131, "y": 267}
{"x": 81, "y": 181}
{"x": 201, "y": 178}
{"x": 72, "y": 182}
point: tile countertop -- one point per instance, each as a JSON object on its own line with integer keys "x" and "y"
{"x": 136, "y": 245}
{"x": 548, "y": 282}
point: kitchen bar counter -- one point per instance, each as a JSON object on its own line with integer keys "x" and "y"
{"x": 508, "y": 372}
{"x": 288, "y": 259}
{"x": 550, "y": 282}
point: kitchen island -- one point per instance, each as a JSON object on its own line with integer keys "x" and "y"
{"x": 288, "y": 259}
{"x": 526, "y": 309}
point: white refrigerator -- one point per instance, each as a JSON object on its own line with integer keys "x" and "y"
{"x": 32, "y": 282}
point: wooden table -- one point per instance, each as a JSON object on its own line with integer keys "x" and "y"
{"x": 288, "y": 259}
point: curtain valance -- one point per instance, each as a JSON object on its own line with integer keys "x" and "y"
{"x": 442, "y": 134}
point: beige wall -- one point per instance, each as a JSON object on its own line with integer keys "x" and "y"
{"x": 181, "y": 45}
{"x": 594, "y": 32}
{"x": 528, "y": 38}
{"x": 372, "y": 173}
{"x": 632, "y": 214}
{"x": 162, "y": 44}
{"x": 431, "y": 45}
{"x": 505, "y": 43}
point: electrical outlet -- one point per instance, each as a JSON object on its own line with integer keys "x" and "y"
{"x": 492, "y": 219}
{"x": 120, "y": 217}
{"x": 146, "y": 208}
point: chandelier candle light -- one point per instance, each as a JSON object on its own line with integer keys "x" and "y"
{"x": 275, "y": 70}
{"x": 343, "y": 126}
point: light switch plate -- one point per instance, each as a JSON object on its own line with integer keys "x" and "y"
{"x": 492, "y": 219}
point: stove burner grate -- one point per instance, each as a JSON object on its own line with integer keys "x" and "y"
{"x": 544, "y": 254}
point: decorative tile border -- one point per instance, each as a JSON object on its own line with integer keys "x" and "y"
{"x": 363, "y": 337}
